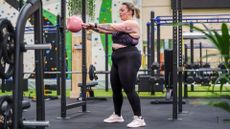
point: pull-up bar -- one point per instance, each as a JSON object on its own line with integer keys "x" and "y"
{"x": 187, "y": 19}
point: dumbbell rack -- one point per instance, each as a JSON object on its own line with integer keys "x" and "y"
{"x": 151, "y": 82}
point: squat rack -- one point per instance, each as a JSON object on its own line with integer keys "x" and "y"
{"x": 62, "y": 65}
{"x": 177, "y": 41}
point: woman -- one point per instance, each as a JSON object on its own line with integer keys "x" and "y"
{"x": 126, "y": 62}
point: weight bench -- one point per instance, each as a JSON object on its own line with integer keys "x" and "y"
{"x": 89, "y": 89}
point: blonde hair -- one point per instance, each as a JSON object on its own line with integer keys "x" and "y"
{"x": 135, "y": 10}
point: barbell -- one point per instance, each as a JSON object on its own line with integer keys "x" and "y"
{"x": 92, "y": 73}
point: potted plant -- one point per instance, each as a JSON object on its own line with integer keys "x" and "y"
{"x": 222, "y": 42}
{"x": 75, "y": 7}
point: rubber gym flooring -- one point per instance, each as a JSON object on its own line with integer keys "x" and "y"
{"x": 197, "y": 115}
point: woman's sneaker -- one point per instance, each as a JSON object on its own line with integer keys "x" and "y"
{"x": 114, "y": 119}
{"x": 137, "y": 122}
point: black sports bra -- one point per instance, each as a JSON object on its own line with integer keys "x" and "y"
{"x": 124, "y": 38}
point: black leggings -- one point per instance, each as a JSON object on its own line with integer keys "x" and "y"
{"x": 126, "y": 63}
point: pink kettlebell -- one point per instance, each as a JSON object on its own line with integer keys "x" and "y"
{"x": 74, "y": 23}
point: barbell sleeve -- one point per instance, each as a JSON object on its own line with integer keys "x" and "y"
{"x": 37, "y": 46}
{"x": 36, "y": 123}
{"x": 102, "y": 72}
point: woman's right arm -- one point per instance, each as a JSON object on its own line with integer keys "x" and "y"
{"x": 95, "y": 28}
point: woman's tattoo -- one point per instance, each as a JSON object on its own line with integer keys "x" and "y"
{"x": 105, "y": 27}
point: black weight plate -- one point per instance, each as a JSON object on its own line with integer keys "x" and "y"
{"x": 6, "y": 112}
{"x": 6, "y": 49}
{"x": 92, "y": 72}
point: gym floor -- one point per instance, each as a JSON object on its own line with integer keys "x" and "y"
{"x": 197, "y": 115}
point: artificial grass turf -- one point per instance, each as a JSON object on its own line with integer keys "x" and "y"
{"x": 210, "y": 92}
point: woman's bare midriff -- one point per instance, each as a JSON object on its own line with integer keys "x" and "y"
{"x": 116, "y": 46}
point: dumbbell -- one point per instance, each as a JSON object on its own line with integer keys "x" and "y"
{"x": 206, "y": 65}
{"x": 198, "y": 79}
{"x": 189, "y": 66}
{"x": 196, "y": 66}
{"x": 221, "y": 66}
{"x": 206, "y": 80}
{"x": 155, "y": 66}
{"x": 190, "y": 79}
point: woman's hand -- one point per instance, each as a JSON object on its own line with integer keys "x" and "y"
{"x": 88, "y": 26}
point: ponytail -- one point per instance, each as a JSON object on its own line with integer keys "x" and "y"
{"x": 137, "y": 12}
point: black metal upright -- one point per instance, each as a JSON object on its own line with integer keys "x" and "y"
{"x": 149, "y": 46}
{"x": 39, "y": 59}
{"x": 84, "y": 56}
{"x": 175, "y": 30}
{"x": 106, "y": 62}
{"x": 180, "y": 61}
{"x": 191, "y": 46}
{"x": 63, "y": 58}
{"x": 191, "y": 51}
{"x": 185, "y": 72}
{"x": 152, "y": 55}
{"x": 58, "y": 55}
{"x": 158, "y": 45}
{"x": 201, "y": 61}
{"x": 31, "y": 7}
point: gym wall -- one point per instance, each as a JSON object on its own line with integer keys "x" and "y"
{"x": 163, "y": 8}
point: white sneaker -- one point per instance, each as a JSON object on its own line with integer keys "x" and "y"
{"x": 137, "y": 122}
{"x": 114, "y": 119}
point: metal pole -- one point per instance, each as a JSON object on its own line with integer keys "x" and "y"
{"x": 63, "y": 58}
{"x": 58, "y": 55}
{"x": 174, "y": 77}
{"x": 84, "y": 56}
{"x": 152, "y": 55}
{"x": 185, "y": 73}
{"x": 158, "y": 46}
{"x": 39, "y": 59}
{"x": 149, "y": 46}
{"x": 201, "y": 62}
{"x": 191, "y": 51}
{"x": 27, "y": 10}
{"x": 106, "y": 62}
{"x": 191, "y": 46}
{"x": 180, "y": 76}
{"x": 206, "y": 56}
